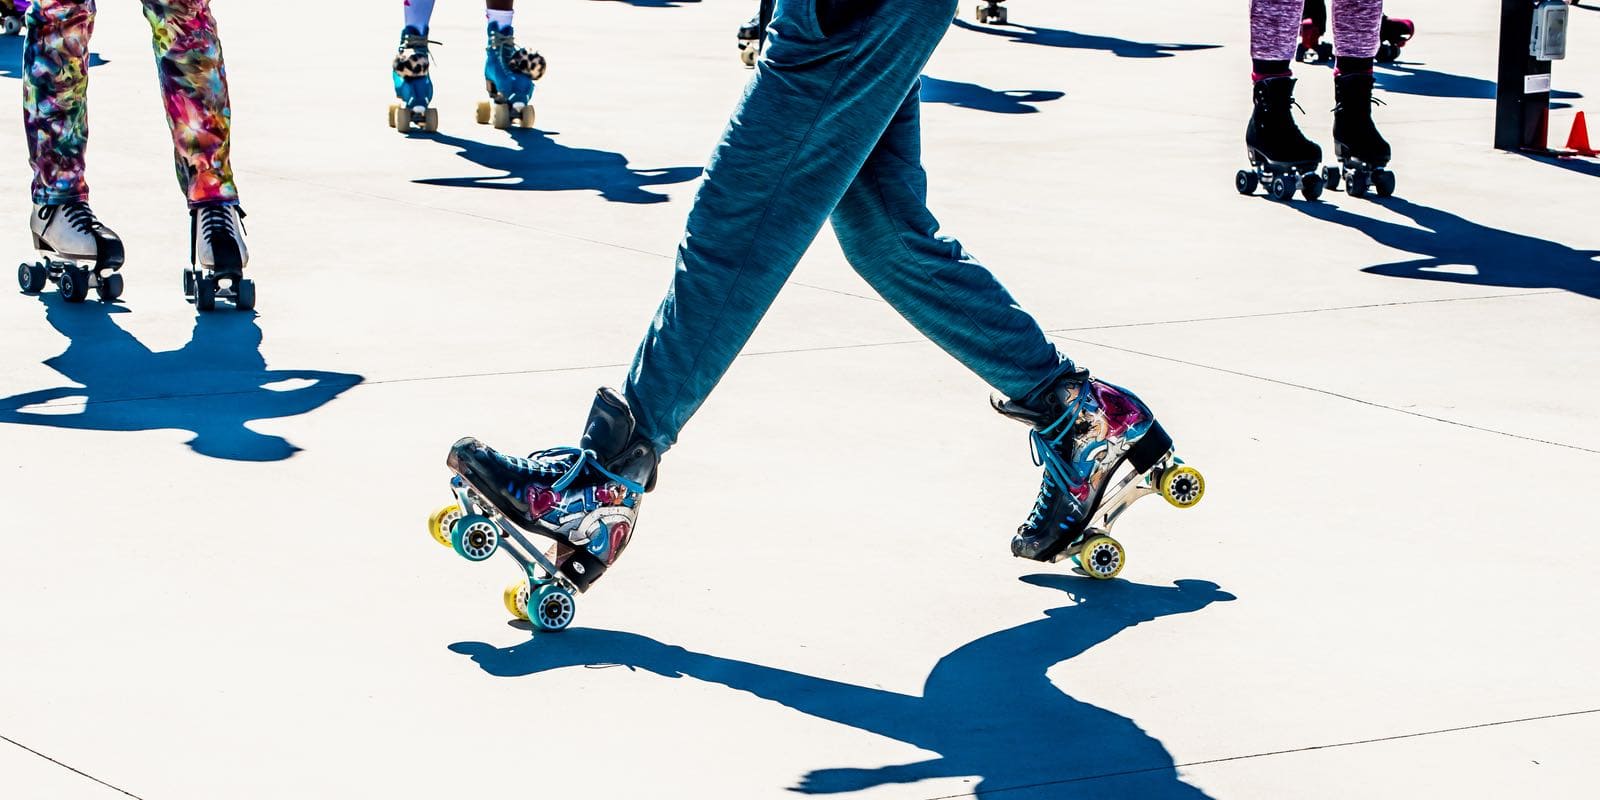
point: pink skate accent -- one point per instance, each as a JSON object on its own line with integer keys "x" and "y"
{"x": 1121, "y": 412}
{"x": 540, "y": 500}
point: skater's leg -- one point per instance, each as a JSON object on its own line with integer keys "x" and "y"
{"x": 194, "y": 85}
{"x": 1274, "y": 29}
{"x": 418, "y": 14}
{"x": 1355, "y": 34}
{"x": 820, "y": 100}
{"x": 500, "y": 12}
{"x": 893, "y": 240}
{"x": 55, "y": 87}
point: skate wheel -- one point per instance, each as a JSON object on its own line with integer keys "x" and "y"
{"x": 110, "y": 288}
{"x": 402, "y": 120}
{"x": 747, "y": 55}
{"x": 1324, "y": 52}
{"x": 483, "y": 112}
{"x": 188, "y": 284}
{"x": 442, "y": 521}
{"x": 1330, "y": 178}
{"x": 500, "y": 116}
{"x": 474, "y": 537}
{"x": 516, "y": 599}
{"x": 983, "y": 14}
{"x": 1311, "y": 187}
{"x": 1102, "y": 557}
{"x": 31, "y": 277}
{"x": 1383, "y": 182}
{"x": 73, "y": 284}
{"x": 1183, "y": 486}
{"x": 13, "y": 26}
{"x": 527, "y": 117}
{"x": 205, "y": 294}
{"x": 999, "y": 16}
{"x": 1246, "y": 181}
{"x": 1356, "y": 184}
{"x": 1387, "y": 53}
{"x": 244, "y": 297}
{"x": 551, "y": 608}
{"x": 393, "y": 111}
{"x": 1282, "y": 188}
{"x": 430, "y": 121}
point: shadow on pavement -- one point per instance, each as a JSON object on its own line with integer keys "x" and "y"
{"x": 981, "y": 98}
{"x": 11, "y": 57}
{"x": 1582, "y": 166}
{"x": 540, "y": 164}
{"x": 213, "y": 386}
{"x": 1051, "y": 37}
{"x": 1458, "y": 250}
{"x": 1402, "y": 77}
{"x": 987, "y": 708}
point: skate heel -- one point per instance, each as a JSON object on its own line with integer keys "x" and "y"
{"x": 1151, "y": 449}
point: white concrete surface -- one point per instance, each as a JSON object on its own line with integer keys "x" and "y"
{"x": 217, "y": 584}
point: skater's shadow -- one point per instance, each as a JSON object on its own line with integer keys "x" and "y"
{"x": 987, "y": 709}
{"x": 981, "y": 98}
{"x": 1404, "y": 78}
{"x": 540, "y": 164}
{"x": 1051, "y": 37}
{"x": 213, "y": 386}
{"x": 11, "y": 56}
{"x": 1458, "y": 250}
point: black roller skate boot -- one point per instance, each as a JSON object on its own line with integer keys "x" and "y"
{"x": 77, "y": 252}
{"x": 1084, "y": 432}
{"x": 1392, "y": 36}
{"x": 586, "y": 498}
{"x": 1362, "y": 152}
{"x": 1281, "y": 157}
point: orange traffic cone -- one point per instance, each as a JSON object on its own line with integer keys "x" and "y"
{"x": 1578, "y": 140}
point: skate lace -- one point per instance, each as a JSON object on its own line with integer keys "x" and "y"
{"x": 80, "y": 217}
{"x": 216, "y": 225}
{"x": 1059, "y": 474}
{"x": 567, "y": 464}
{"x": 1377, "y": 101}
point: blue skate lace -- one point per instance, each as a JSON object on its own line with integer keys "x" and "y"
{"x": 585, "y": 458}
{"x": 1058, "y": 473}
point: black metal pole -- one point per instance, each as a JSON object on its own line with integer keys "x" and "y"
{"x": 1522, "y": 94}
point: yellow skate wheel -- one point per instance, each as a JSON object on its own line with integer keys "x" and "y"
{"x": 483, "y": 112}
{"x": 430, "y": 121}
{"x": 500, "y": 116}
{"x": 516, "y": 599}
{"x": 1102, "y": 557}
{"x": 439, "y": 523}
{"x": 1183, "y": 486}
{"x": 392, "y": 111}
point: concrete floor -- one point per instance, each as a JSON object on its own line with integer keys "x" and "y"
{"x": 218, "y": 584}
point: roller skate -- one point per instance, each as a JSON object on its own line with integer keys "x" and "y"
{"x": 1281, "y": 157}
{"x": 585, "y": 498}
{"x": 1393, "y": 35}
{"x": 1086, "y": 433}
{"x": 77, "y": 253}
{"x": 508, "y": 73}
{"x": 1362, "y": 152}
{"x": 412, "y": 85}
{"x": 12, "y": 16}
{"x": 217, "y": 258}
{"x": 990, "y": 12}
{"x": 750, "y": 42}
{"x": 1312, "y": 50}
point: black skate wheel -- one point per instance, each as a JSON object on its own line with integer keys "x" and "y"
{"x": 109, "y": 288}
{"x": 31, "y": 277}
{"x": 1356, "y": 184}
{"x": 1282, "y": 188}
{"x": 1330, "y": 178}
{"x": 1383, "y": 182}
{"x": 1324, "y": 53}
{"x": 1311, "y": 186}
{"x": 999, "y": 16}
{"x": 245, "y": 295}
{"x": 188, "y": 284}
{"x": 1245, "y": 181}
{"x": 73, "y": 284}
{"x": 205, "y": 294}
{"x": 1387, "y": 53}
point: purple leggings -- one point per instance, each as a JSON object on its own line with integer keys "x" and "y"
{"x": 1275, "y": 28}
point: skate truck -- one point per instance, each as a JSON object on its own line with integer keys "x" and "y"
{"x": 1097, "y": 554}
{"x": 990, "y": 12}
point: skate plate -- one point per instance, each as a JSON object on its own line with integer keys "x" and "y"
{"x": 73, "y": 280}
{"x": 205, "y": 288}
{"x": 476, "y": 530}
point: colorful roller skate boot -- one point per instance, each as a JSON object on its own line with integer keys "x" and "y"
{"x": 1393, "y": 35}
{"x": 13, "y": 14}
{"x": 584, "y": 498}
{"x": 1281, "y": 157}
{"x": 508, "y": 73}
{"x": 77, "y": 253}
{"x": 1083, "y": 436}
{"x": 990, "y": 12}
{"x": 412, "y": 84}
{"x": 1362, "y": 152}
{"x": 217, "y": 258}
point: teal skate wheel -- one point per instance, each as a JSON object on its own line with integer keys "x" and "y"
{"x": 474, "y": 537}
{"x": 551, "y": 607}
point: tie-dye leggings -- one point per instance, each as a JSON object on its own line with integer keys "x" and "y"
{"x": 1275, "y": 28}
{"x": 195, "y": 87}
